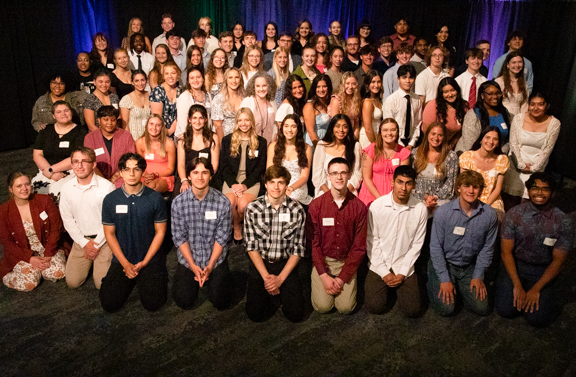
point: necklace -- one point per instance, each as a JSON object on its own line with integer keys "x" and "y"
{"x": 263, "y": 117}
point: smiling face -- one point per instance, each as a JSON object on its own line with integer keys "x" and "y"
{"x": 474, "y": 63}
{"x": 335, "y": 28}
{"x": 195, "y": 58}
{"x": 421, "y": 47}
{"x": 352, "y": 46}
{"x": 102, "y": 84}
{"x": 57, "y": 86}
{"x": 516, "y": 65}
{"x": 138, "y": 44}
{"x": 339, "y": 176}
{"x": 83, "y": 62}
{"x": 195, "y": 79}
{"x": 170, "y": 75}
{"x": 436, "y": 137}
{"x": 285, "y": 41}
{"x": 154, "y": 127}
{"x": 200, "y": 41}
{"x": 469, "y": 193}
{"x": 204, "y": 24}
{"x": 261, "y": 87}
{"x": 537, "y": 107}
{"x": 337, "y": 58}
{"x": 226, "y": 44}
{"x": 405, "y": 82}
{"x": 161, "y": 54}
{"x": 442, "y": 35}
{"x": 367, "y": 59}
{"x": 403, "y": 57}
{"x": 139, "y": 82}
{"x": 62, "y": 114}
{"x": 219, "y": 59}
{"x": 364, "y": 32}
{"x": 101, "y": 44}
{"x": 136, "y": 25}
{"x": 485, "y": 47}
{"x": 233, "y": 80}
{"x": 375, "y": 85}
{"x": 254, "y": 59}
{"x": 490, "y": 141}
{"x": 276, "y": 188}
{"x": 244, "y": 123}
{"x": 389, "y": 133}
{"x": 197, "y": 121}
{"x": 540, "y": 193}
{"x": 121, "y": 59}
{"x": 449, "y": 93}
{"x": 321, "y": 44}
{"x": 322, "y": 89}
{"x": 290, "y": 129}
{"x": 21, "y": 188}
{"x": 401, "y": 27}
{"x": 167, "y": 24}
{"x": 341, "y": 130}
{"x": 491, "y": 96}
{"x": 516, "y": 43}
{"x": 174, "y": 42}
{"x": 350, "y": 85}
{"x": 385, "y": 50}
{"x": 270, "y": 31}
{"x": 82, "y": 165}
{"x": 304, "y": 29}
{"x": 238, "y": 31}
{"x": 297, "y": 89}
{"x": 200, "y": 177}
{"x": 281, "y": 59}
{"x": 309, "y": 57}
{"x": 437, "y": 58}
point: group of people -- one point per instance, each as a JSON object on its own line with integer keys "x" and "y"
{"x": 289, "y": 148}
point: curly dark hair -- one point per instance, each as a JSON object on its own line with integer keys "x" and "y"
{"x": 460, "y": 105}
{"x": 280, "y": 147}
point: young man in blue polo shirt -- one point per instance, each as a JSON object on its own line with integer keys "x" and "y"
{"x": 134, "y": 218}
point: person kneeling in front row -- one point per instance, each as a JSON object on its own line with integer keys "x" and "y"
{"x": 201, "y": 225}
{"x": 536, "y": 240}
{"x": 134, "y": 218}
{"x": 461, "y": 247}
{"x": 274, "y": 230}
{"x": 396, "y": 232}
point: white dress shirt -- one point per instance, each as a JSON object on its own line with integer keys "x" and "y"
{"x": 427, "y": 83}
{"x": 146, "y": 58}
{"x": 465, "y": 81}
{"x": 395, "y": 107}
{"x": 162, "y": 39}
{"x": 395, "y": 235}
{"x": 81, "y": 209}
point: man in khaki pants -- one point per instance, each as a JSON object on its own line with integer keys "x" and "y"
{"x": 81, "y": 210}
{"x": 339, "y": 219}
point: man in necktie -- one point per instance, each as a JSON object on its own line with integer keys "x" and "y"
{"x": 471, "y": 79}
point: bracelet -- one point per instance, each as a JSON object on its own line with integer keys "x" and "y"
{"x": 184, "y": 180}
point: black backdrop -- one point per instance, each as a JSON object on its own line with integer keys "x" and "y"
{"x": 37, "y": 37}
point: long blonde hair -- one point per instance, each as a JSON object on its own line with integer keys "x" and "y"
{"x": 280, "y": 73}
{"x": 224, "y": 92}
{"x": 236, "y": 140}
{"x": 161, "y": 138}
{"x": 245, "y": 68}
{"x": 350, "y": 107}
{"x": 421, "y": 161}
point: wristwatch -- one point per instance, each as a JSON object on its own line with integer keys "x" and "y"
{"x": 50, "y": 170}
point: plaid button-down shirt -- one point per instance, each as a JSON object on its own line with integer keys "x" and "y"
{"x": 201, "y": 223}
{"x": 276, "y": 234}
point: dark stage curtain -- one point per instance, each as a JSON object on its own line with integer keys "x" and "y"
{"x": 41, "y": 36}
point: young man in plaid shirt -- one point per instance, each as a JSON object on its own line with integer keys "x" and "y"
{"x": 274, "y": 231}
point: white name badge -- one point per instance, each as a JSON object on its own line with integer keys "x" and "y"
{"x": 64, "y": 144}
{"x": 121, "y": 208}
{"x": 210, "y": 215}
{"x": 149, "y": 156}
{"x": 550, "y": 241}
{"x": 203, "y": 155}
{"x": 110, "y": 65}
{"x": 115, "y": 106}
{"x": 256, "y": 153}
{"x": 285, "y": 217}
{"x": 504, "y": 126}
{"x": 270, "y": 110}
{"x": 458, "y": 230}
{"x": 492, "y": 173}
{"x": 44, "y": 216}
{"x": 395, "y": 161}
{"x": 328, "y": 221}
{"x": 99, "y": 151}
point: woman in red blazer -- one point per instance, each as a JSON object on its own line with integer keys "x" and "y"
{"x": 30, "y": 228}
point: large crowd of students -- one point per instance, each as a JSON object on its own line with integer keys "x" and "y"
{"x": 389, "y": 150}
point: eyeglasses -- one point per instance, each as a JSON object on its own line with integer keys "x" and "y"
{"x": 544, "y": 190}
{"x": 335, "y": 174}
{"x": 135, "y": 170}
{"x": 57, "y": 83}
{"x": 78, "y": 162}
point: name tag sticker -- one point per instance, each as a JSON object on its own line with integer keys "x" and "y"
{"x": 256, "y": 153}
{"x": 203, "y": 155}
{"x": 492, "y": 173}
{"x": 110, "y": 65}
{"x": 64, "y": 144}
{"x": 284, "y": 217}
{"x": 44, "y": 216}
{"x": 550, "y": 241}
{"x": 328, "y": 221}
{"x": 458, "y": 230}
{"x": 115, "y": 106}
{"x": 210, "y": 215}
{"x": 395, "y": 161}
{"x": 270, "y": 110}
{"x": 99, "y": 151}
{"x": 504, "y": 126}
{"x": 149, "y": 156}
{"x": 121, "y": 208}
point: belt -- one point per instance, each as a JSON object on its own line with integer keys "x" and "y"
{"x": 274, "y": 261}
{"x": 91, "y": 237}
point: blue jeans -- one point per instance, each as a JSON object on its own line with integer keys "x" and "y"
{"x": 529, "y": 275}
{"x": 461, "y": 278}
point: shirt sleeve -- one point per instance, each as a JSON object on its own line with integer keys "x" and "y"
{"x": 437, "y": 247}
{"x": 565, "y": 239}
{"x": 300, "y": 235}
{"x": 419, "y": 86}
{"x": 224, "y": 224}
{"x": 249, "y": 233}
{"x": 356, "y": 178}
{"x": 485, "y": 255}
{"x": 470, "y": 131}
{"x": 70, "y": 223}
{"x": 375, "y": 254}
{"x": 318, "y": 172}
{"x": 160, "y": 215}
{"x": 108, "y": 211}
{"x": 508, "y": 227}
{"x": 358, "y": 249}
{"x": 178, "y": 224}
{"x": 317, "y": 255}
{"x": 182, "y": 107}
{"x": 416, "y": 245}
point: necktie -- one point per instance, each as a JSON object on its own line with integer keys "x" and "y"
{"x": 472, "y": 95}
{"x": 408, "y": 119}
{"x": 139, "y": 63}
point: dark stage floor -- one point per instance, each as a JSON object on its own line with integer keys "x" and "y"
{"x": 58, "y": 331}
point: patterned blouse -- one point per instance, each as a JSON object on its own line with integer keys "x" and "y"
{"x": 138, "y": 117}
{"x": 168, "y": 108}
{"x": 93, "y": 103}
{"x": 223, "y": 113}
{"x": 441, "y": 186}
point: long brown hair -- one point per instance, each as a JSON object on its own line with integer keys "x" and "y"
{"x": 159, "y": 67}
{"x": 421, "y": 161}
{"x": 211, "y": 70}
{"x": 280, "y": 147}
{"x": 379, "y": 143}
{"x": 505, "y": 73}
{"x": 207, "y": 133}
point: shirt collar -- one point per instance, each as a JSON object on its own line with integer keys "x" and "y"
{"x": 544, "y": 212}
{"x": 209, "y": 196}
{"x": 389, "y": 199}
{"x": 455, "y": 205}
{"x": 349, "y": 196}
{"x": 93, "y": 182}
{"x": 268, "y": 204}
{"x": 139, "y": 193}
